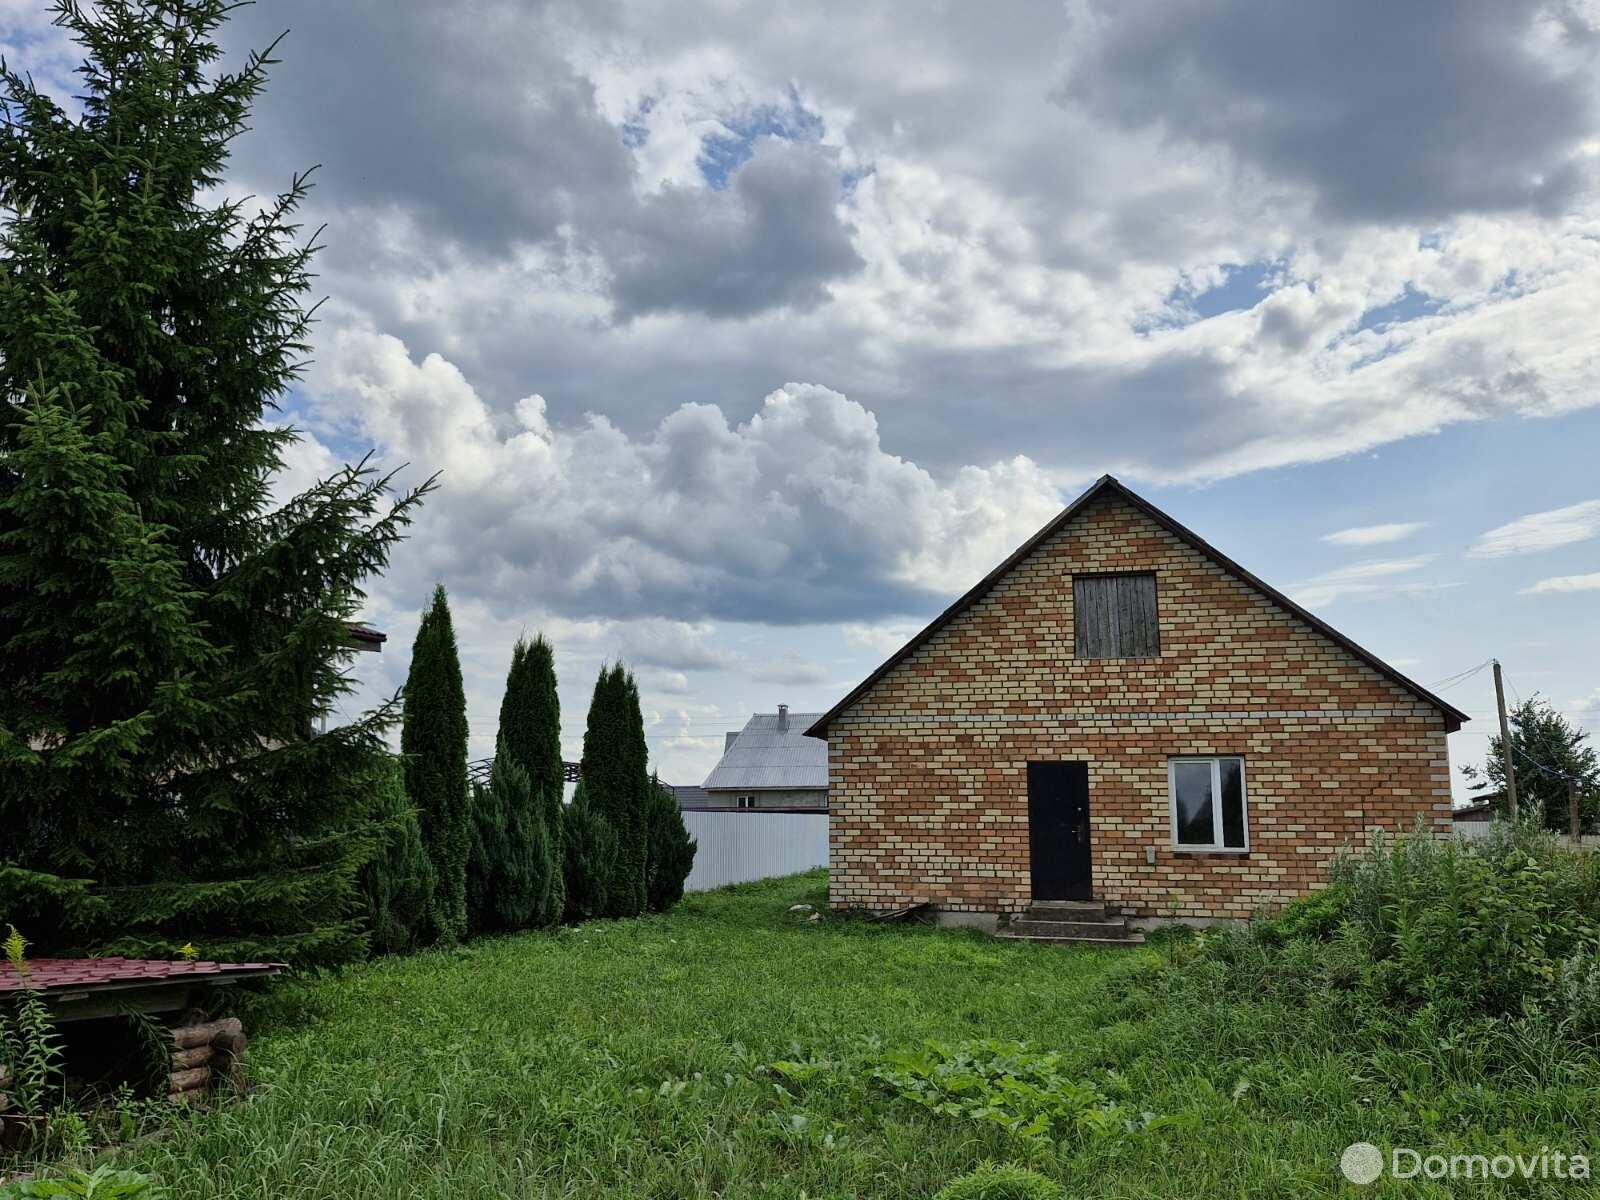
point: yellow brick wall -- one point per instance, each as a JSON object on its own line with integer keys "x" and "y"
{"x": 928, "y": 771}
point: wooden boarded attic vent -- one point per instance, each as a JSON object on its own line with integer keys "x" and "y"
{"x": 1114, "y": 616}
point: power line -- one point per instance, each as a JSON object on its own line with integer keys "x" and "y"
{"x": 1460, "y": 677}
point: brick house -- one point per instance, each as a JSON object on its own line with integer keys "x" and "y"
{"x": 1119, "y": 713}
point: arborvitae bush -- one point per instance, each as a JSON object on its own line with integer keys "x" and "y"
{"x": 398, "y": 883}
{"x": 617, "y": 785}
{"x": 530, "y": 736}
{"x": 590, "y": 855}
{"x": 671, "y": 850}
{"x": 433, "y": 740}
{"x": 511, "y": 865}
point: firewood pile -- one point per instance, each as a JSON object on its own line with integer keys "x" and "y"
{"x": 205, "y": 1055}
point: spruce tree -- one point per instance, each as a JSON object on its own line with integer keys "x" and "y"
{"x": 614, "y": 774}
{"x": 433, "y": 740}
{"x": 170, "y": 636}
{"x": 530, "y": 729}
{"x": 398, "y": 882}
{"x": 670, "y": 851}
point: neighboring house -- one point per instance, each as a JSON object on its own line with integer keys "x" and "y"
{"x": 1120, "y": 713}
{"x": 366, "y": 638}
{"x": 690, "y": 797}
{"x": 1475, "y": 818}
{"x": 1478, "y": 810}
{"x": 770, "y": 763}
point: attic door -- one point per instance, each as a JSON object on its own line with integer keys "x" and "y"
{"x": 1114, "y": 616}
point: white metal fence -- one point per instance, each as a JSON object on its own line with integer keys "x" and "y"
{"x": 736, "y": 846}
{"x": 1472, "y": 830}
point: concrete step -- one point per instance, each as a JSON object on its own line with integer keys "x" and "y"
{"x": 1131, "y": 937}
{"x": 1067, "y": 910}
{"x": 1031, "y": 927}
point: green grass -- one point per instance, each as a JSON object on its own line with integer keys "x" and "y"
{"x": 627, "y": 1059}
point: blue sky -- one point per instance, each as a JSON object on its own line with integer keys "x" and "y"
{"x": 743, "y": 342}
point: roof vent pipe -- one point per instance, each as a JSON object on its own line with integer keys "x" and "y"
{"x": 783, "y": 718}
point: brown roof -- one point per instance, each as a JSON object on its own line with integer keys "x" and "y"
{"x": 1107, "y": 485}
{"x": 76, "y": 974}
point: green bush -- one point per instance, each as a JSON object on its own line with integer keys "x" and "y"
{"x": 589, "y": 850}
{"x": 397, "y": 885}
{"x": 103, "y": 1184}
{"x": 1501, "y": 927}
{"x": 1316, "y": 915}
{"x": 511, "y": 867}
{"x": 670, "y": 851}
{"x": 1001, "y": 1181}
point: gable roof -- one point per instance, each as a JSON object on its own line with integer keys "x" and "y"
{"x": 1107, "y": 485}
{"x": 764, "y": 757}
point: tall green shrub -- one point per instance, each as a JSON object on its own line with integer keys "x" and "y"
{"x": 512, "y": 866}
{"x": 670, "y": 850}
{"x": 530, "y": 732}
{"x": 398, "y": 883}
{"x": 614, "y": 773}
{"x": 590, "y": 857}
{"x": 433, "y": 740}
{"x": 171, "y": 636}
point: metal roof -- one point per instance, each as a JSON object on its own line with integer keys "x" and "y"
{"x": 1109, "y": 485}
{"x": 49, "y": 975}
{"x": 766, "y": 758}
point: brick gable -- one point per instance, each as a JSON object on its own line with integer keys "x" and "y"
{"x": 928, "y": 765}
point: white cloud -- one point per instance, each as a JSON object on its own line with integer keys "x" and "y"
{"x": 1031, "y": 251}
{"x": 1564, "y": 583}
{"x": 1374, "y": 535}
{"x": 1373, "y": 578}
{"x": 790, "y": 670}
{"x": 1587, "y": 708}
{"x": 306, "y": 462}
{"x": 798, "y": 511}
{"x": 882, "y": 639}
{"x": 1541, "y": 531}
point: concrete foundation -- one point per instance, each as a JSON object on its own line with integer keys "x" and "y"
{"x": 981, "y": 921}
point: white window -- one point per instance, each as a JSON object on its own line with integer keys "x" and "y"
{"x": 747, "y": 802}
{"x": 1208, "y": 804}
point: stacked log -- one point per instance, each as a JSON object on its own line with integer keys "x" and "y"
{"x": 204, "y": 1055}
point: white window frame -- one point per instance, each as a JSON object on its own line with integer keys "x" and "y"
{"x": 745, "y": 802}
{"x": 1215, "y": 761}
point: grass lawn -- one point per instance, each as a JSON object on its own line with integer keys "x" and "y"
{"x": 628, "y": 1059}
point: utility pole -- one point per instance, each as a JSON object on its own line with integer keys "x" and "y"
{"x": 1574, "y": 826}
{"x": 1505, "y": 742}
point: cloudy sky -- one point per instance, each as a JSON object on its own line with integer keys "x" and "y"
{"x": 746, "y": 336}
